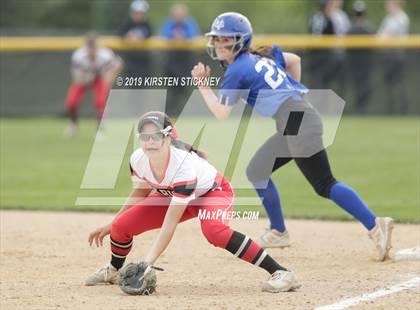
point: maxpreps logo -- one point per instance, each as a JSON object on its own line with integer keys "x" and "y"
{"x": 227, "y": 215}
{"x": 219, "y": 24}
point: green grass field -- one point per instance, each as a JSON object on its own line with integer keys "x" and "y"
{"x": 378, "y": 156}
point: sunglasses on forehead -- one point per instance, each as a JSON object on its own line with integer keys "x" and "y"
{"x": 155, "y": 136}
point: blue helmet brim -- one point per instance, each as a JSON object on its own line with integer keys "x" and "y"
{"x": 223, "y": 34}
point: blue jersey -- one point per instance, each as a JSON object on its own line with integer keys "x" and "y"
{"x": 262, "y": 82}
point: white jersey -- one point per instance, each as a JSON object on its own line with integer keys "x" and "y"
{"x": 81, "y": 60}
{"x": 341, "y": 22}
{"x": 187, "y": 176}
{"x": 395, "y": 25}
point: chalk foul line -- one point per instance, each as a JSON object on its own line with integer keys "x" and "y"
{"x": 345, "y": 303}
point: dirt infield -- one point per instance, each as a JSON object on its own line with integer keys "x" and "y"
{"x": 45, "y": 259}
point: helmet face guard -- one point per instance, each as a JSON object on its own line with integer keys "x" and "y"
{"x": 236, "y": 47}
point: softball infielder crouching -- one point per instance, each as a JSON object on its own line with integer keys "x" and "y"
{"x": 95, "y": 67}
{"x": 174, "y": 182}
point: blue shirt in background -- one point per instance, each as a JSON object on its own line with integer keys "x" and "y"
{"x": 188, "y": 29}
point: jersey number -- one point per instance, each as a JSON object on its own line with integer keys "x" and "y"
{"x": 270, "y": 75}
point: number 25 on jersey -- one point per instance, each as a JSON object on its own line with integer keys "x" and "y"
{"x": 273, "y": 76}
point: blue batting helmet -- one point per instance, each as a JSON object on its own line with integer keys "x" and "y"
{"x": 234, "y": 25}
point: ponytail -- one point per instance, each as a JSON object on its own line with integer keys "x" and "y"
{"x": 263, "y": 51}
{"x": 187, "y": 147}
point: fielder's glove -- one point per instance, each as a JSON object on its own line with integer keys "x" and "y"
{"x": 138, "y": 279}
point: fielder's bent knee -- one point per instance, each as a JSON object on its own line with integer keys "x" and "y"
{"x": 216, "y": 233}
{"x": 120, "y": 232}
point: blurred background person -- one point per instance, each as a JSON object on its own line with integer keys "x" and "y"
{"x": 360, "y": 23}
{"x": 360, "y": 60}
{"x": 321, "y": 22}
{"x": 395, "y": 24}
{"x": 330, "y": 64}
{"x": 319, "y": 60}
{"x": 178, "y": 26}
{"x": 93, "y": 67}
{"x": 341, "y": 24}
{"x": 339, "y": 18}
{"x": 137, "y": 28}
